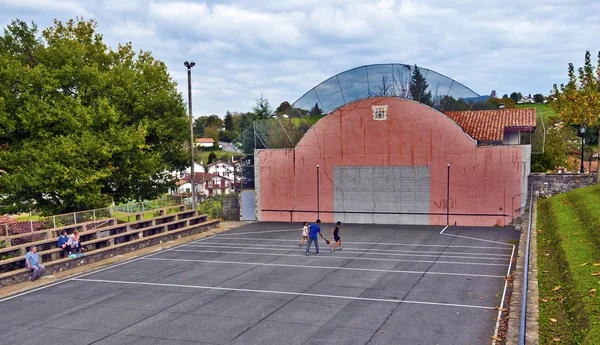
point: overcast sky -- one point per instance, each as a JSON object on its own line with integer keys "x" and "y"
{"x": 282, "y": 48}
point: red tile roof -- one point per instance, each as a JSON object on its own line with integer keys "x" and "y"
{"x": 199, "y": 178}
{"x": 205, "y": 140}
{"x": 489, "y": 125}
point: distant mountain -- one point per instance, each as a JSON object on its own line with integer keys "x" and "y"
{"x": 477, "y": 99}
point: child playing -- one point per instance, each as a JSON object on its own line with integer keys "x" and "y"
{"x": 336, "y": 236}
{"x": 304, "y": 234}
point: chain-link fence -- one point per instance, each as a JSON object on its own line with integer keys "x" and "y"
{"x": 92, "y": 218}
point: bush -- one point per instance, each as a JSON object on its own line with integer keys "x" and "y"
{"x": 213, "y": 207}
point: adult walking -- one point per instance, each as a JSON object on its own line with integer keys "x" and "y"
{"x": 315, "y": 230}
{"x": 33, "y": 263}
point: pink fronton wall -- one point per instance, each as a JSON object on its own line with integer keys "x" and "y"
{"x": 483, "y": 180}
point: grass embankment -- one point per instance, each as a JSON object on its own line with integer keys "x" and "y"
{"x": 542, "y": 109}
{"x": 568, "y": 266}
{"x": 311, "y": 120}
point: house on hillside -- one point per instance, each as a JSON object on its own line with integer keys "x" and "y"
{"x": 206, "y": 185}
{"x": 225, "y": 169}
{"x": 198, "y": 168}
{"x": 204, "y": 142}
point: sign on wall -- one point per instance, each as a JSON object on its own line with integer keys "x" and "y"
{"x": 380, "y": 112}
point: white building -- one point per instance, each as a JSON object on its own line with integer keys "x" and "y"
{"x": 204, "y": 142}
{"x": 206, "y": 185}
{"x": 225, "y": 169}
{"x": 198, "y": 168}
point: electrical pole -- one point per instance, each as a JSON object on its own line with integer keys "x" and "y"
{"x": 189, "y": 66}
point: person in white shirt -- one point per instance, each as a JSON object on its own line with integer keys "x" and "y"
{"x": 304, "y": 234}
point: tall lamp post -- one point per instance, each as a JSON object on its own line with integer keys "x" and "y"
{"x": 189, "y": 66}
{"x": 448, "y": 197}
{"x": 318, "y": 194}
{"x": 582, "y": 132}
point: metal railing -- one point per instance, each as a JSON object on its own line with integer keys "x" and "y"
{"x": 37, "y": 223}
{"x": 523, "y": 326}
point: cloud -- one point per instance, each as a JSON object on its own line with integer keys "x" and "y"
{"x": 283, "y": 48}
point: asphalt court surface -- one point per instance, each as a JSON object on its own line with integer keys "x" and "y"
{"x": 254, "y": 285}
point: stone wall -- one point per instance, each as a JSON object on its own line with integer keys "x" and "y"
{"x": 547, "y": 185}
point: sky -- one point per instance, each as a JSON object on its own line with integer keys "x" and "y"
{"x": 283, "y": 48}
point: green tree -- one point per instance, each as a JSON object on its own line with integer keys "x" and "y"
{"x": 228, "y": 121}
{"x": 262, "y": 110}
{"x": 538, "y": 98}
{"x": 316, "y": 111}
{"x": 515, "y": 97}
{"x": 578, "y": 102}
{"x": 212, "y": 157}
{"x": 82, "y": 125}
{"x": 199, "y": 125}
{"x": 418, "y": 88}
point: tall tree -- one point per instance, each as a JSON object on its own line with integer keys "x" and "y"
{"x": 199, "y": 125}
{"x": 578, "y": 102}
{"x": 515, "y": 97}
{"x": 228, "y": 121}
{"x": 316, "y": 111}
{"x": 82, "y": 125}
{"x": 262, "y": 110}
{"x": 418, "y": 88}
{"x": 538, "y": 98}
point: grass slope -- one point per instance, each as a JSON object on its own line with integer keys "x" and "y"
{"x": 542, "y": 109}
{"x": 568, "y": 263}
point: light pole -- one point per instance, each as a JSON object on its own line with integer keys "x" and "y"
{"x": 318, "y": 204}
{"x": 189, "y": 66}
{"x": 448, "y": 197}
{"x": 582, "y": 132}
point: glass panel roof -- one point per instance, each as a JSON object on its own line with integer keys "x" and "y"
{"x": 381, "y": 80}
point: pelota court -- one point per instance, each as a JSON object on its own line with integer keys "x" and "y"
{"x": 391, "y": 284}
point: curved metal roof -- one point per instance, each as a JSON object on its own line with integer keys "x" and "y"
{"x": 390, "y": 80}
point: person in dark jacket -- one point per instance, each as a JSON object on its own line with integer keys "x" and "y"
{"x": 335, "y": 234}
{"x": 62, "y": 243}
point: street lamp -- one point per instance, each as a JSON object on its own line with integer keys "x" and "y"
{"x": 189, "y": 66}
{"x": 582, "y": 132}
{"x": 448, "y": 197}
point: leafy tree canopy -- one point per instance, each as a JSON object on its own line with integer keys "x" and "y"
{"x": 82, "y": 125}
{"x": 578, "y": 102}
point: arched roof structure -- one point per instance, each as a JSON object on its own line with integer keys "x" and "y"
{"x": 380, "y": 80}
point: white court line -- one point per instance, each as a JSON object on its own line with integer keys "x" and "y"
{"x": 367, "y": 252}
{"x": 327, "y": 267}
{"x": 479, "y": 239}
{"x": 97, "y": 271}
{"x": 365, "y": 249}
{"x": 503, "y": 296}
{"x": 342, "y": 257}
{"x": 284, "y": 293}
{"x": 378, "y": 243}
{"x": 258, "y": 232}
{"x": 444, "y": 229}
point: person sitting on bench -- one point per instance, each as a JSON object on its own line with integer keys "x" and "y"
{"x": 32, "y": 259}
{"x": 74, "y": 242}
{"x": 63, "y": 239}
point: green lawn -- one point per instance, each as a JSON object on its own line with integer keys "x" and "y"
{"x": 311, "y": 120}
{"x": 28, "y": 218}
{"x": 542, "y": 109}
{"x": 203, "y": 155}
{"x": 568, "y": 243}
